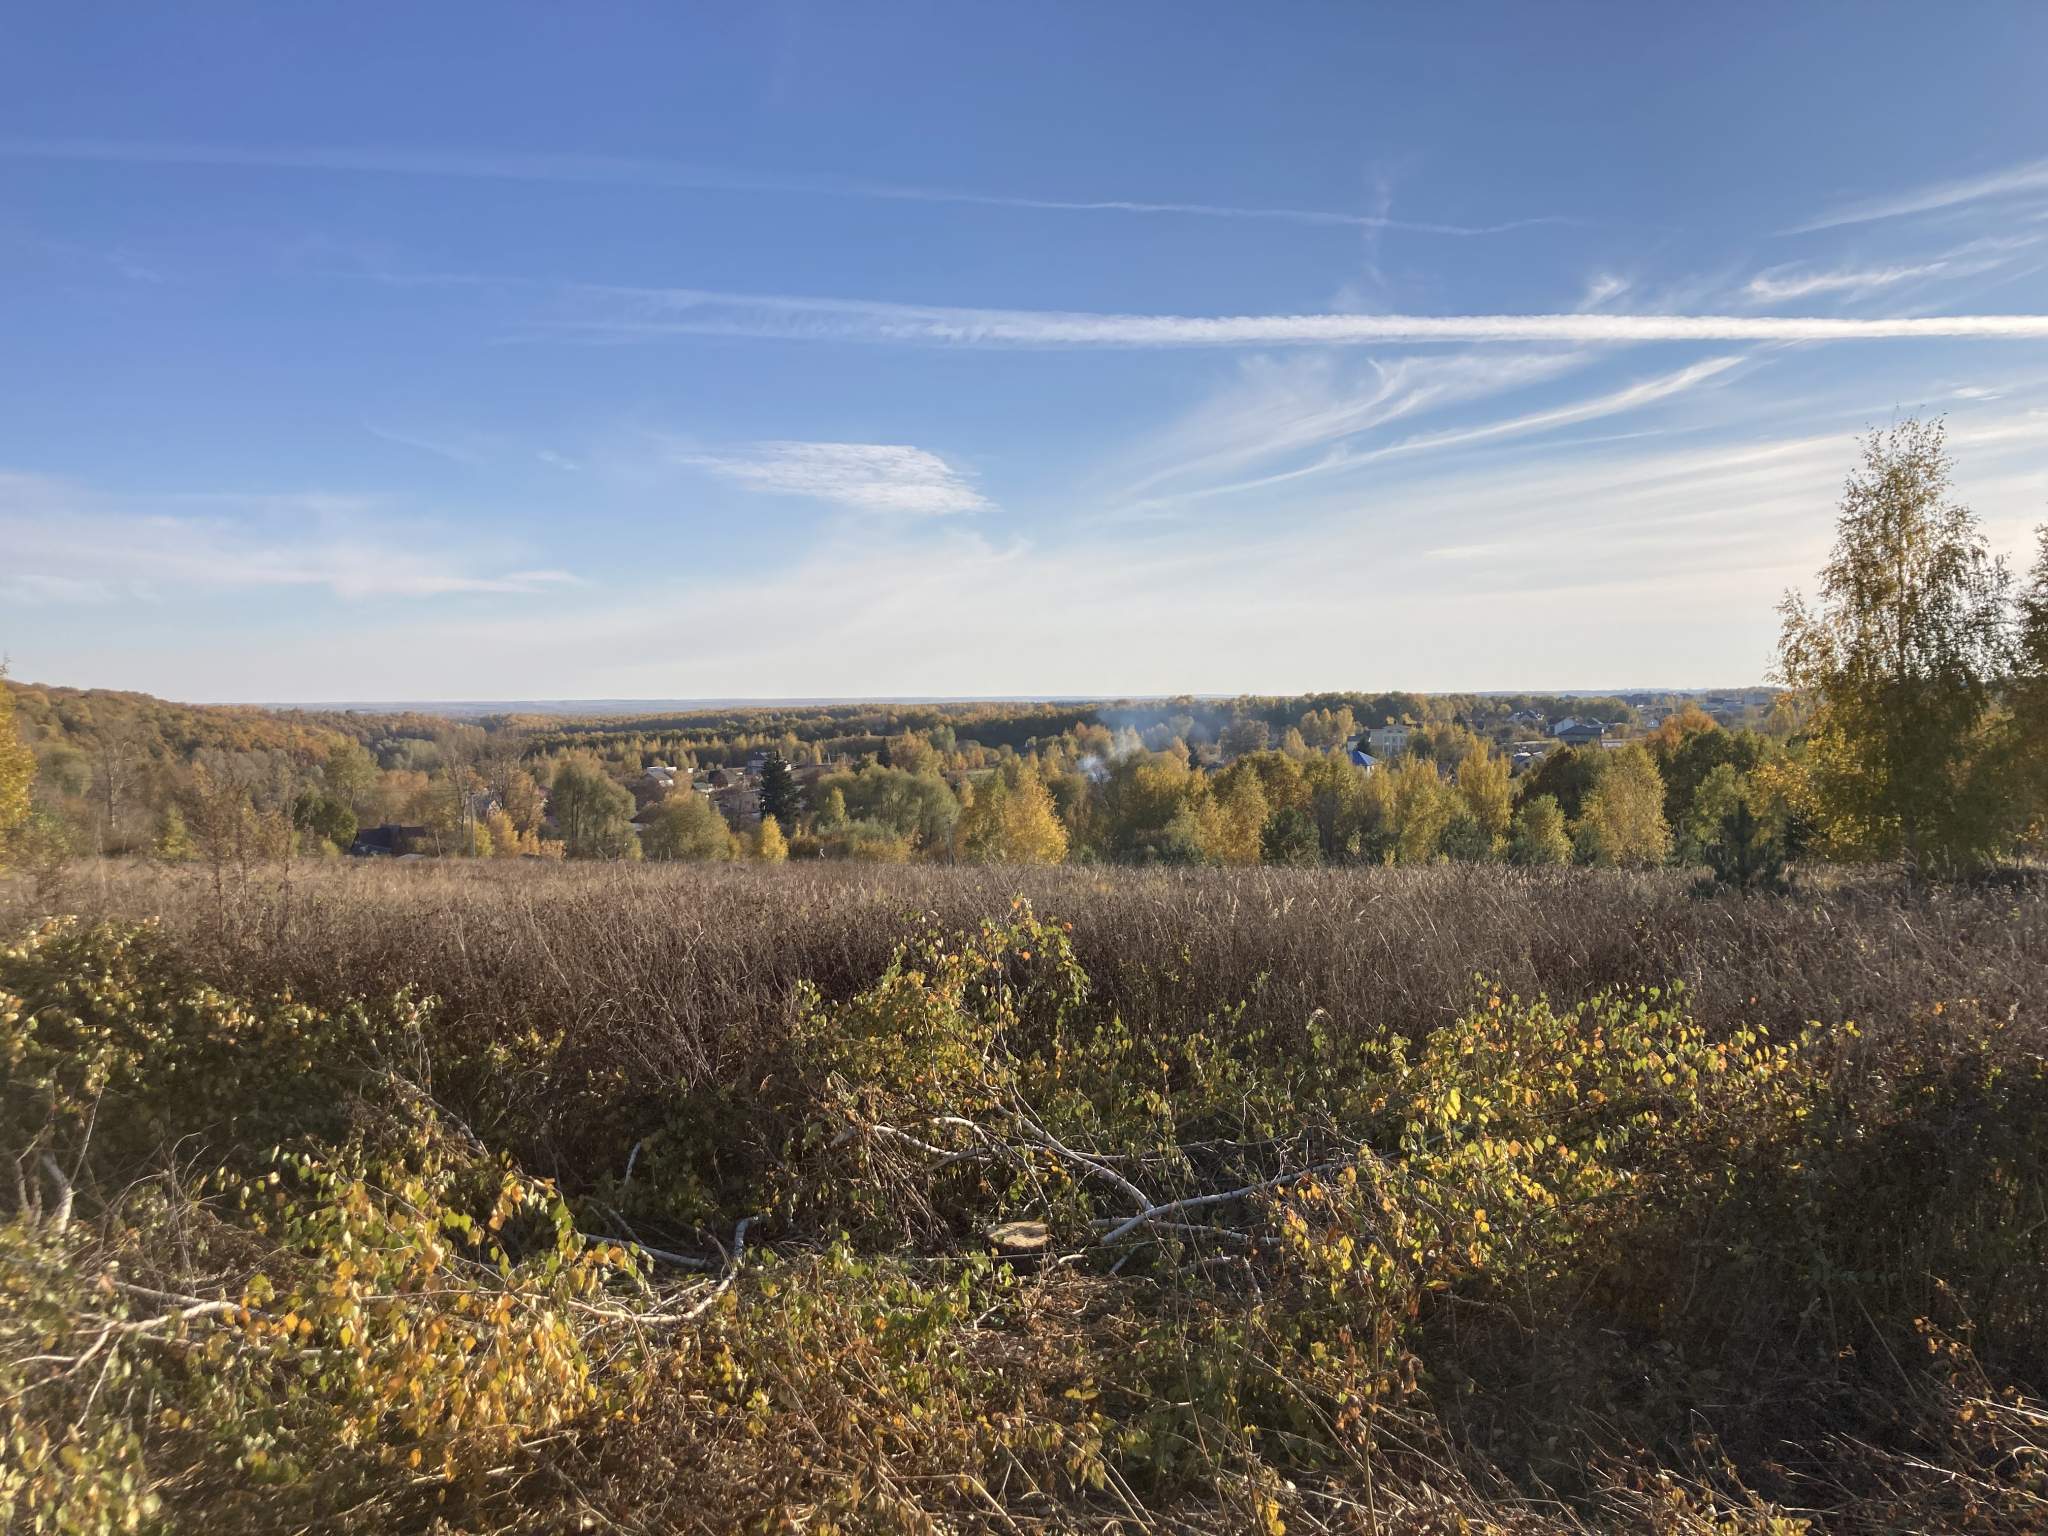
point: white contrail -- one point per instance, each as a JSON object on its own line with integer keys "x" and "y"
{"x": 632, "y": 171}
{"x": 696, "y": 311}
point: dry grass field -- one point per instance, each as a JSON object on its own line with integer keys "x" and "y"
{"x": 532, "y": 1197}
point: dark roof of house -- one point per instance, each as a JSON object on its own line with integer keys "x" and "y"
{"x": 388, "y": 838}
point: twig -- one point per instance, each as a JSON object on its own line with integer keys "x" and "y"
{"x": 60, "y": 1218}
{"x": 1046, "y": 1139}
{"x": 664, "y": 1255}
{"x": 732, "y": 1272}
{"x": 1153, "y": 1213}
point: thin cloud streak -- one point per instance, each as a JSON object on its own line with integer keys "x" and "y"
{"x": 2013, "y": 181}
{"x": 1632, "y": 397}
{"x": 1290, "y": 404}
{"x": 629, "y": 171}
{"x": 1772, "y": 288}
{"x": 790, "y": 317}
{"x": 868, "y": 477}
{"x": 71, "y": 544}
{"x": 1776, "y": 285}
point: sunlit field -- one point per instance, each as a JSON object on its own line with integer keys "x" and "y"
{"x": 532, "y": 1196}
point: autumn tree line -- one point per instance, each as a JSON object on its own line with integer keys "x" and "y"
{"x": 1912, "y": 727}
{"x": 1182, "y": 781}
{"x": 105, "y": 782}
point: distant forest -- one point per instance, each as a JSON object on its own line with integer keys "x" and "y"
{"x": 1175, "y": 781}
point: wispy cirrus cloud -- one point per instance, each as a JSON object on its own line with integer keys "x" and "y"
{"x": 630, "y": 313}
{"x": 70, "y": 544}
{"x": 1632, "y": 397}
{"x": 641, "y": 172}
{"x": 2028, "y": 179}
{"x": 868, "y": 477}
{"x": 1780, "y": 284}
{"x": 1603, "y": 288}
{"x": 1292, "y": 403}
{"x": 469, "y": 454}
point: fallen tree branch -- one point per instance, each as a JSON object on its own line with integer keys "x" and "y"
{"x": 732, "y": 1272}
{"x": 1194, "y": 1229}
{"x": 1154, "y": 1213}
{"x": 661, "y": 1255}
{"x": 1101, "y": 1170}
{"x": 60, "y": 1217}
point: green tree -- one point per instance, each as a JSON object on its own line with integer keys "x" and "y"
{"x": 1898, "y": 661}
{"x": 1463, "y": 841}
{"x": 867, "y": 842}
{"x": 833, "y": 812}
{"x": 351, "y": 774}
{"x": 687, "y": 828}
{"x": 1745, "y": 853}
{"x": 1539, "y": 835}
{"x": 1687, "y": 764}
{"x": 1566, "y": 775}
{"x": 1623, "y": 823}
{"x": 174, "y": 843}
{"x": 1712, "y": 803}
{"x": 916, "y": 807}
{"x": 593, "y": 815}
{"x": 780, "y": 796}
{"x": 1182, "y": 841}
{"x": 1290, "y": 838}
{"x": 326, "y": 816}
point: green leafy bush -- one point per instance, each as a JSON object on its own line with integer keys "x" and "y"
{"x": 967, "y": 1246}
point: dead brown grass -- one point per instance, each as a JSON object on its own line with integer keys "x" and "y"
{"x": 692, "y": 959}
{"x": 663, "y": 979}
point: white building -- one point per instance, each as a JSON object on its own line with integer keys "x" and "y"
{"x": 1385, "y": 741}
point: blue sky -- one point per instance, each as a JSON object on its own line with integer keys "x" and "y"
{"x": 467, "y": 351}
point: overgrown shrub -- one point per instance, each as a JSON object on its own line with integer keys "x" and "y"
{"x": 986, "y": 1231}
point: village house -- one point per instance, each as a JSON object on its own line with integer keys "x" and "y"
{"x": 1574, "y": 732}
{"x": 1384, "y": 741}
{"x": 739, "y": 803}
{"x": 386, "y": 842}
